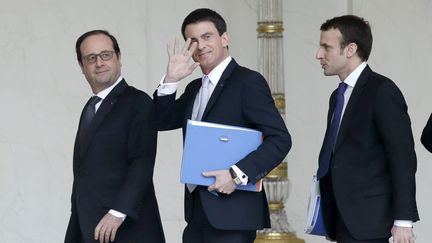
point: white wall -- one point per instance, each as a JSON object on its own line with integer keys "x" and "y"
{"x": 43, "y": 91}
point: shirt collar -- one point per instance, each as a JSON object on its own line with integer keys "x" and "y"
{"x": 104, "y": 93}
{"x": 217, "y": 72}
{"x": 351, "y": 80}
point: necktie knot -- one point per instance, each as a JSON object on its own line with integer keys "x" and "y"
{"x": 341, "y": 88}
{"x": 94, "y": 100}
{"x": 87, "y": 116}
{"x": 205, "y": 81}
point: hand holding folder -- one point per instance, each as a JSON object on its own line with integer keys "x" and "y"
{"x": 314, "y": 220}
{"x": 223, "y": 184}
{"x": 212, "y": 147}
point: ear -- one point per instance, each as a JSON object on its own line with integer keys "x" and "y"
{"x": 82, "y": 67}
{"x": 225, "y": 39}
{"x": 351, "y": 49}
{"x": 119, "y": 58}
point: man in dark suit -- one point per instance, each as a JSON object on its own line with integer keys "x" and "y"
{"x": 367, "y": 163}
{"x": 232, "y": 95}
{"x": 113, "y": 198}
{"x": 426, "y": 137}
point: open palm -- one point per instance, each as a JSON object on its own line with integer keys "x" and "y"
{"x": 178, "y": 61}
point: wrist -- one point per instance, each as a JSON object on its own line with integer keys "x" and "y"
{"x": 234, "y": 177}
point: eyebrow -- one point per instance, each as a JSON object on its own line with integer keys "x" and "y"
{"x": 325, "y": 45}
{"x": 207, "y": 33}
{"x": 92, "y": 53}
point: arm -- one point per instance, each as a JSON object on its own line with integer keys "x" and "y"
{"x": 169, "y": 111}
{"x": 259, "y": 110}
{"x": 140, "y": 154}
{"x": 426, "y": 137}
{"x": 394, "y": 127}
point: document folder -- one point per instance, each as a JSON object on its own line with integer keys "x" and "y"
{"x": 314, "y": 219}
{"x": 210, "y": 146}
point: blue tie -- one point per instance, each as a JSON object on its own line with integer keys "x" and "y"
{"x": 331, "y": 135}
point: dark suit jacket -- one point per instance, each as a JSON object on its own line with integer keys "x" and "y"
{"x": 426, "y": 137}
{"x": 241, "y": 98}
{"x": 374, "y": 163}
{"x": 113, "y": 169}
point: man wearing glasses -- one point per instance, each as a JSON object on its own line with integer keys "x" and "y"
{"x": 113, "y": 197}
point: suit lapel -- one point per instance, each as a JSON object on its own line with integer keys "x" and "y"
{"x": 219, "y": 87}
{"x": 351, "y": 106}
{"x": 101, "y": 113}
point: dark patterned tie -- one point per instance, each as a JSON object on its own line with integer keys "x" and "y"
{"x": 88, "y": 114}
{"x": 331, "y": 135}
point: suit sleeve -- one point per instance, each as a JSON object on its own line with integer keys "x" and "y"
{"x": 260, "y": 112}
{"x": 394, "y": 126}
{"x": 141, "y": 152}
{"x": 426, "y": 137}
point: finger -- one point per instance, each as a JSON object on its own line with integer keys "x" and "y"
{"x": 113, "y": 234}
{"x": 210, "y": 173}
{"x": 186, "y": 46}
{"x": 228, "y": 191}
{"x": 97, "y": 230}
{"x": 211, "y": 188}
{"x": 107, "y": 235}
{"x": 169, "y": 49}
{"x": 193, "y": 66}
{"x": 176, "y": 45}
{"x": 207, "y": 173}
{"x": 193, "y": 47}
{"x": 102, "y": 235}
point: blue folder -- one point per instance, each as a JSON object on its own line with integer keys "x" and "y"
{"x": 314, "y": 219}
{"x": 210, "y": 146}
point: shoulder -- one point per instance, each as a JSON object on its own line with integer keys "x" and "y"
{"x": 380, "y": 84}
{"x": 247, "y": 74}
{"x": 133, "y": 94}
{"x": 378, "y": 80}
{"x": 386, "y": 90}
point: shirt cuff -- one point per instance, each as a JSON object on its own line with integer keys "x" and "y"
{"x": 166, "y": 88}
{"x": 243, "y": 177}
{"x": 403, "y": 223}
{"x": 117, "y": 214}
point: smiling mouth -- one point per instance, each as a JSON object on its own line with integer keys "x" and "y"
{"x": 99, "y": 72}
{"x": 203, "y": 54}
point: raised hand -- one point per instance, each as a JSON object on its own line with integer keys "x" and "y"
{"x": 178, "y": 61}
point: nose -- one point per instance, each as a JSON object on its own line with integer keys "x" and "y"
{"x": 319, "y": 54}
{"x": 99, "y": 61}
{"x": 200, "y": 45}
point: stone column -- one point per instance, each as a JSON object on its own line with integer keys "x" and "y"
{"x": 271, "y": 65}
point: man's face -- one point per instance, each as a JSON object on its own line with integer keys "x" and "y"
{"x": 332, "y": 58}
{"x": 212, "y": 48}
{"x": 100, "y": 74}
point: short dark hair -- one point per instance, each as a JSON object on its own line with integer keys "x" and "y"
{"x": 354, "y": 29}
{"x": 204, "y": 14}
{"x": 95, "y": 32}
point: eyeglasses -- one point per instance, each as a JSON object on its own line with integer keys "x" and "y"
{"x": 105, "y": 56}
